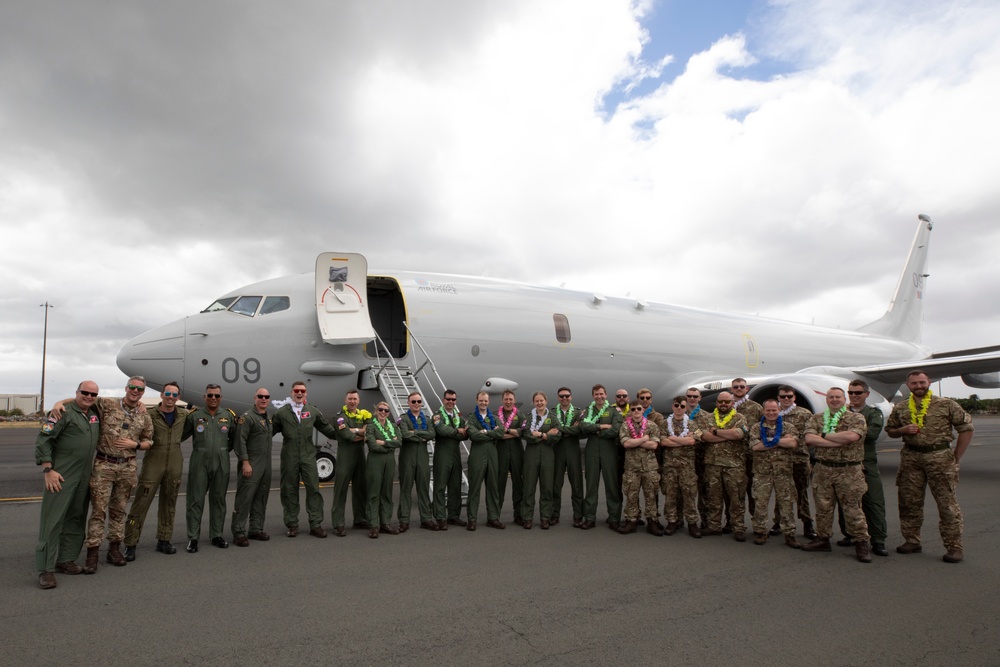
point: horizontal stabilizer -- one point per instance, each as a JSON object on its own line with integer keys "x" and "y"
{"x": 937, "y": 366}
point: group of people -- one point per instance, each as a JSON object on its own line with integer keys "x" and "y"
{"x": 707, "y": 466}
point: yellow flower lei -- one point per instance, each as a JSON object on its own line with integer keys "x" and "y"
{"x": 917, "y": 416}
{"x": 363, "y": 415}
{"x": 729, "y": 417}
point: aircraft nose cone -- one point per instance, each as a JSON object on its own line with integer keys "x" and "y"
{"x": 157, "y": 355}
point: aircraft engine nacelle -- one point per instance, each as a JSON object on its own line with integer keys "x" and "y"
{"x": 982, "y": 380}
{"x": 810, "y": 390}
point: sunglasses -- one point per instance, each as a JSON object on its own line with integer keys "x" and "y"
{"x": 382, "y": 409}
{"x": 856, "y": 393}
{"x": 679, "y": 405}
{"x": 786, "y": 395}
{"x": 698, "y": 398}
{"x": 565, "y": 395}
{"x": 263, "y": 396}
{"x": 135, "y": 388}
{"x": 637, "y": 409}
{"x": 416, "y": 401}
{"x": 621, "y": 396}
{"x": 91, "y": 394}
{"x": 213, "y": 395}
{"x": 739, "y": 386}
{"x": 645, "y": 398}
{"x": 171, "y": 394}
{"x": 298, "y": 391}
{"x": 450, "y": 399}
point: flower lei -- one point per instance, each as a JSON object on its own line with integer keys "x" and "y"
{"x": 917, "y": 416}
{"x": 788, "y": 410}
{"x": 392, "y": 430}
{"x": 537, "y": 425}
{"x": 627, "y": 409}
{"x": 642, "y": 427}
{"x": 507, "y": 422}
{"x": 363, "y": 415}
{"x": 778, "y": 429}
{"x": 696, "y": 410}
{"x": 569, "y": 416}
{"x": 722, "y": 423}
{"x": 448, "y": 417}
{"x": 671, "y": 428}
{"x": 482, "y": 422}
{"x": 740, "y": 402}
{"x": 590, "y": 418}
{"x": 413, "y": 420}
{"x": 830, "y": 421}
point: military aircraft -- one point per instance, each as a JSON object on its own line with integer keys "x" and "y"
{"x": 389, "y": 333}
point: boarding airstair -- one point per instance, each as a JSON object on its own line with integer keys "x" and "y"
{"x": 397, "y": 382}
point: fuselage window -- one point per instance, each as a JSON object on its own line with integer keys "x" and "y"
{"x": 220, "y": 304}
{"x": 246, "y": 305}
{"x": 274, "y": 304}
{"x": 562, "y": 327}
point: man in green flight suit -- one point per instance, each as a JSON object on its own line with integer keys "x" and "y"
{"x": 65, "y": 450}
{"x": 295, "y": 422}
{"x": 415, "y": 464}
{"x": 350, "y": 431}
{"x": 162, "y": 467}
{"x": 601, "y": 423}
{"x": 510, "y": 454}
{"x": 253, "y": 481}
{"x": 568, "y": 458}
{"x": 449, "y": 431}
{"x": 484, "y": 432}
{"x": 212, "y": 430}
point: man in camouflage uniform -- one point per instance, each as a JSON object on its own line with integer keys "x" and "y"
{"x": 678, "y": 480}
{"x": 752, "y": 412}
{"x": 601, "y": 423}
{"x": 801, "y": 468}
{"x": 212, "y": 430}
{"x": 253, "y": 482}
{"x": 484, "y": 431}
{"x": 450, "y": 431}
{"x": 925, "y": 423}
{"x": 703, "y": 422}
{"x": 162, "y": 467}
{"x": 416, "y": 431}
{"x": 645, "y": 398}
{"x": 725, "y": 467}
{"x": 838, "y": 436}
{"x": 350, "y": 432}
{"x": 873, "y": 502}
{"x": 510, "y": 454}
{"x": 295, "y": 422}
{"x": 124, "y": 431}
{"x": 773, "y": 439}
{"x": 568, "y": 459}
{"x": 640, "y": 438}
{"x": 65, "y": 450}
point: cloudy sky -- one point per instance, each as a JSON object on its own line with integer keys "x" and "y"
{"x": 763, "y": 157}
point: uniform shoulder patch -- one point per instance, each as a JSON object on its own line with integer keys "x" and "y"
{"x": 242, "y": 420}
{"x": 47, "y": 426}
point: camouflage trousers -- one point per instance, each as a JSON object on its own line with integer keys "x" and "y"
{"x": 679, "y": 486}
{"x": 832, "y": 485}
{"x": 781, "y": 484}
{"x": 801, "y": 472}
{"x": 721, "y": 481}
{"x": 649, "y": 481}
{"x": 111, "y": 485}
{"x": 938, "y": 471}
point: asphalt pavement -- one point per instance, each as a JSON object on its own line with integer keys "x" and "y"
{"x": 512, "y": 597}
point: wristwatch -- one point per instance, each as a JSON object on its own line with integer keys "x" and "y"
{"x": 46, "y": 470}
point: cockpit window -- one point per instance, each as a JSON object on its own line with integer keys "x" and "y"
{"x": 273, "y": 304}
{"x": 246, "y": 305}
{"x": 220, "y": 304}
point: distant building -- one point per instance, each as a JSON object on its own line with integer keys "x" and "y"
{"x": 28, "y": 403}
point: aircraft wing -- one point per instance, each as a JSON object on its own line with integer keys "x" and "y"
{"x": 940, "y": 365}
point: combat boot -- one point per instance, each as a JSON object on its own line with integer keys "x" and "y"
{"x": 694, "y": 531}
{"x": 671, "y": 528}
{"x": 129, "y": 554}
{"x": 808, "y": 529}
{"x": 760, "y": 538}
{"x": 791, "y": 542}
{"x": 93, "y": 555}
{"x": 862, "y": 549}
{"x": 627, "y": 527}
{"x": 954, "y": 555}
{"x": 654, "y": 528}
{"x": 819, "y": 544}
{"x": 115, "y": 556}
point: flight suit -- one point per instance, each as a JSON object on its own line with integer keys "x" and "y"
{"x": 539, "y": 466}
{"x": 448, "y": 465}
{"x": 253, "y": 444}
{"x": 415, "y": 466}
{"x": 114, "y": 475}
{"x": 380, "y": 469}
{"x": 601, "y": 461}
{"x": 298, "y": 461}
{"x": 568, "y": 462}
{"x": 68, "y": 445}
{"x": 510, "y": 459}
{"x": 162, "y": 467}
{"x": 484, "y": 433}
{"x": 212, "y": 437}
{"x": 350, "y": 469}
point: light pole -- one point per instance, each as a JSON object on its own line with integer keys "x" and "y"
{"x": 45, "y": 344}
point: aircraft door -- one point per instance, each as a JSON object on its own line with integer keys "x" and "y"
{"x": 341, "y": 298}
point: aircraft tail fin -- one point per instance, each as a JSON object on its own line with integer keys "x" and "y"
{"x": 904, "y": 318}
